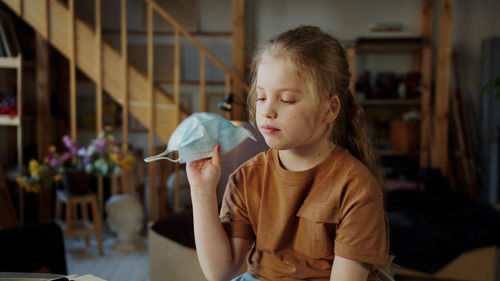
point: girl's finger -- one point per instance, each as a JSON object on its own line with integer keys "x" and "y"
{"x": 216, "y": 157}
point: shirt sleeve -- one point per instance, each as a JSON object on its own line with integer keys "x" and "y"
{"x": 362, "y": 233}
{"x": 234, "y": 212}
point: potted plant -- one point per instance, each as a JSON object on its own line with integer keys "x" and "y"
{"x": 77, "y": 167}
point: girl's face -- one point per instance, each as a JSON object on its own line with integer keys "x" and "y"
{"x": 287, "y": 117}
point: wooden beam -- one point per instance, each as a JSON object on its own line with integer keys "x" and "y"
{"x": 177, "y": 76}
{"x": 203, "y": 100}
{"x": 43, "y": 116}
{"x": 426, "y": 30}
{"x": 47, "y": 21}
{"x": 239, "y": 64}
{"x": 439, "y": 156}
{"x": 425, "y": 107}
{"x": 98, "y": 66}
{"x": 153, "y": 191}
{"x": 20, "y": 133}
{"x": 125, "y": 103}
{"x": 98, "y": 93}
{"x": 15, "y": 5}
{"x": 72, "y": 68}
{"x": 426, "y": 24}
{"x": 35, "y": 13}
{"x": 177, "y": 84}
{"x": 351, "y": 59}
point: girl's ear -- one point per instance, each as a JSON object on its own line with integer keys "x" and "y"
{"x": 333, "y": 109}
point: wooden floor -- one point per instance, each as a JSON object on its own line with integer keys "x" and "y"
{"x": 113, "y": 266}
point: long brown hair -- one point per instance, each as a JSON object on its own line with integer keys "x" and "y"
{"x": 320, "y": 61}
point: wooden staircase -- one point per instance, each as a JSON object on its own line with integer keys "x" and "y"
{"x": 51, "y": 19}
{"x": 109, "y": 69}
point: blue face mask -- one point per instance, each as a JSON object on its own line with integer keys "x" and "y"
{"x": 196, "y": 136}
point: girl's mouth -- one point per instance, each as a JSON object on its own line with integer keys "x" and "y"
{"x": 268, "y": 129}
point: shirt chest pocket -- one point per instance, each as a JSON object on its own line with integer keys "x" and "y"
{"x": 315, "y": 232}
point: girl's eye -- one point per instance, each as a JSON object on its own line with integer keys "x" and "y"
{"x": 261, "y": 99}
{"x": 287, "y": 101}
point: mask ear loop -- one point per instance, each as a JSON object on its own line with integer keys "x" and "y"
{"x": 161, "y": 156}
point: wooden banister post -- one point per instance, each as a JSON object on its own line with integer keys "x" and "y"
{"x": 72, "y": 68}
{"x": 125, "y": 104}
{"x": 351, "y": 59}
{"x": 177, "y": 84}
{"x": 239, "y": 64}
{"x": 43, "y": 117}
{"x": 153, "y": 191}
{"x": 98, "y": 95}
{"x": 426, "y": 70}
{"x": 439, "y": 156}
{"x": 98, "y": 83}
{"x": 203, "y": 100}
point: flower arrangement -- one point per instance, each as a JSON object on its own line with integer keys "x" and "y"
{"x": 102, "y": 157}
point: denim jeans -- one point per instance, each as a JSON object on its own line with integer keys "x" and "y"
{"x": 245, "y": 277}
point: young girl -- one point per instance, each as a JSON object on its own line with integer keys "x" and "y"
{"x": 311, "y": 207}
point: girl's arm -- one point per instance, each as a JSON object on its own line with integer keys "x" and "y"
{"x": 349, "y": 270}
{"x": 220, "y": 257}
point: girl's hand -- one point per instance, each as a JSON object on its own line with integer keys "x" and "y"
{"x": 204, "y": 174}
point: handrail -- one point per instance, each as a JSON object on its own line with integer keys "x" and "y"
{"x": 195, "y": 42}
{"x": 53, "y": 8}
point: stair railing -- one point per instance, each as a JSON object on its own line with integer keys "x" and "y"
{"x": 230, "y": 78}
{"x": 50, "y": 8}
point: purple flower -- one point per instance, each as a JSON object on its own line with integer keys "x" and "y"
{"x": 69, "y": 143}
{"x": 85, "y": 161}
{"x": 66, "y": 156}
{"x": 82, "y": 152}
{"x": 55, "y": 163}
{"x": 100, "y": 144}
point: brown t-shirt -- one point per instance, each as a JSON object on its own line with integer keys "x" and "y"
{"x": 299, "y": 221}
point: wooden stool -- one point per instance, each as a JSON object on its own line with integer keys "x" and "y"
{"x": 72, "y": 226}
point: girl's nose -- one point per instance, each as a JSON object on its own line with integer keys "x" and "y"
{"x": 269, "y": 112}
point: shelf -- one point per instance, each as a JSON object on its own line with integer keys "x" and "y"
{"x": 398, "y": 152}
{"x": 385, "y": 45}
{"x": 8, "y": 120}
{"x": 383, "y": 102}
{"x": 10, "y": 62}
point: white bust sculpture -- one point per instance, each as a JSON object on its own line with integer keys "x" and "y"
{"x": 184, "y": 190}
{"x": 125, "y": 217}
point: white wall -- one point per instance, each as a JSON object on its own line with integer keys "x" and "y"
{"x": 473, "y": 21}
{"x": 347, "y": 20}
{"x": 343, "y": 19}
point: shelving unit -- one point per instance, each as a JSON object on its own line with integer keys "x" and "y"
{"x": 6, "y": 120}
{"x": 16, "y": 63}
{"x": 384, "y": 110}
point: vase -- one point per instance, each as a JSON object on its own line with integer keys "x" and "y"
{"x": 77, "y": 181}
